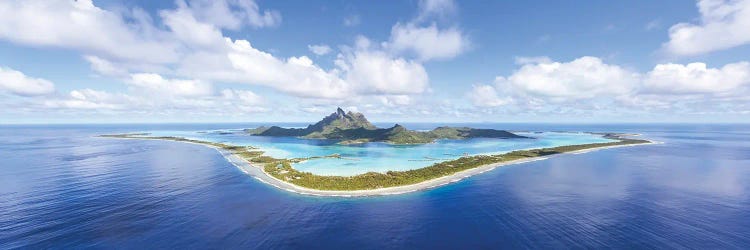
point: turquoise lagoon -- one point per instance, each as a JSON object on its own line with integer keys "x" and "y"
{"x": 378, "y": 156}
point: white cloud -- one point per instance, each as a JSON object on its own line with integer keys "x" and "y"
{"x": 157, "y": 102}
{"x": 186, "y": 28}
{"x": 424, "y": 38}
{"x": 582, "y": 78}
{"x": 435, "y": 8}
{"x": 428, "y": 42}
{"x": 18, "y": 83}
{"x": 89, "y": 99}
{"x": 320, "y": 50}
{"x": 232, "y": 14}
{"x": 486, "y": 96}
{"x": 268, "y": 18}
{"x": 376, "y": 72}
{"x": 696, "y": 78}
{"x": 177, "y": 87}
{"x": 396, "y": 100}
{"x": 189, "y": 46}
{"x": 589, "y": 86}
{"x": 296, "y": 75}
{"x": 521, "y": 60}
{"x": 243, "y": 96}
{"x": 589, "y": 77}
{"x": 104, "y": 67}
{"x": 360, "y": 71}
{"x": 723, "y": 24}
{"x": 70, "y": 24}
{"x": 82, "y": 26}
{"x": 203, "y": 52}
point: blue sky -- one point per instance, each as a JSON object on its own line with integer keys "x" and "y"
{"x": 411, "y": 61}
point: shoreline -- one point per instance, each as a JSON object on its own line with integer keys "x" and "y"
{"x": 261, "y": 175}
{"x": 247, "y": 168}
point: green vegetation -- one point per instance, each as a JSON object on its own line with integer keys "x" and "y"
{"x": 466, "y": 132}
{"x": 282, "y": 168}
{"x": 352, "y": 128}
{"x": 339, "y": 120}
{"x": 396, "y": 134}
{"x": 256, "y": 131}
{"x": 400, "y": 135}
{"x": 264, "y": 159}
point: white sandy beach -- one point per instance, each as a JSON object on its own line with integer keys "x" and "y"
{"x": 262, "y": 176}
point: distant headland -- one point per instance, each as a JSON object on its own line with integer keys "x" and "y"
{"x": 349, "y": 128}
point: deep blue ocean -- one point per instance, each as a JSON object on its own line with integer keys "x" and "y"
{"x": 61, "y": 187}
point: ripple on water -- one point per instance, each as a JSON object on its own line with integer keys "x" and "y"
{"x": 67, "y": 189}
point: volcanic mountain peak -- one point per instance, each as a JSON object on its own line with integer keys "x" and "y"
{"x": 350, "y": 127}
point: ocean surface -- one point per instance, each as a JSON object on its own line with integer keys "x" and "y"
{"x": 61, "y": 187}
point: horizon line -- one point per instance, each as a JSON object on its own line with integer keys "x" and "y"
{"x": 394, "y": 122}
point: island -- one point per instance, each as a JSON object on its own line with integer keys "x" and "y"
{"x": 348, "y": 128}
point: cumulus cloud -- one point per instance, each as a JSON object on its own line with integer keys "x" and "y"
{"x": 486, "y": 96}
{"x": 243, "y": 96}
{"x": 187, "y": 29}
{"x": 104, "y": 67}
{"x": 435, "y": 8}
{"x": 589, "y": 77}
{"x": 82, "y": 26}
{"x": 521, "y": 60}
{"x": 188, "y": 45}
{"x": 361, "y": 70}
{"x": 148, "y": 93}
{"x": 723, "y": 24}
{"x": 226, "y": 102}
{"x": 428, "y": 42}
{"x": 295, "y": 75}
{"x": 587, "y": 84}
{"x": 320, "y": 50}
{"x": 376, "y": 72}
{"x": 92, "y": 100}
{"x": 697, "y": 78}
{"x": 121, "y": 46}
{"x": 585, "y": 77}
{"x": 424, "y": 38}
{"x": 18, "y": 83}
{"x": 396, "y": 100}
{"x": 233, "y": 14}
{"x": 178, "y": 87}
{"x": 191, "y": 45}
{"x": 129, "y": 35}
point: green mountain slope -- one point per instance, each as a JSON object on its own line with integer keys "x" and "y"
{"x": 349, "y": 127}
{"x": 336, "y": 120}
